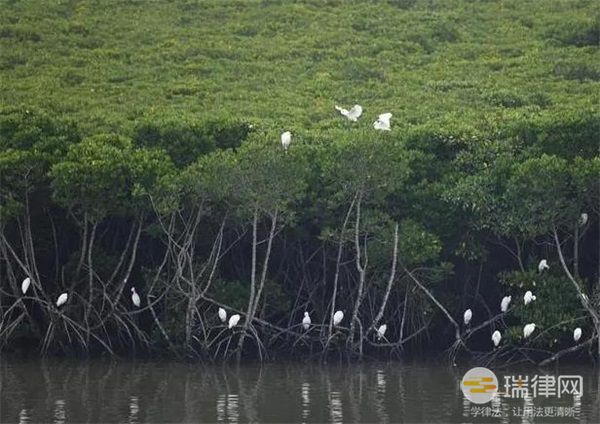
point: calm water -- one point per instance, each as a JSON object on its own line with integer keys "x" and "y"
{"x": 62, "y": 391}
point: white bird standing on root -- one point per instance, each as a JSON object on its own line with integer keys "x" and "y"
{"x": 286, "y": 140}
{"x": 222, "y": 315}
{"x": 529, "y": 297}
{"x": 577, "y": 334}
{"x": 467, "y": 316}
{"x": 583, "y": 219}
{"x": 353, "y": 114}
{"x": 306, "y": 321}
{"x": 233, "y": 320}
{"x": 62, "y": 299}
{"x": 505, "y": 302}
{"x": 381, "y": 331}
{"x": 496, "y": 337}
{"x": 25, "y": 285}
{"x": 543, "y": 265}
{"x": 383, "y": 122}
{"x": 528, "y": 329}
{"x": 135, "y": 298}
{"x": 338, "y": 317}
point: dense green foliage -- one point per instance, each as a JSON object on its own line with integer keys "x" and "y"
{"x": 139, "y": 146}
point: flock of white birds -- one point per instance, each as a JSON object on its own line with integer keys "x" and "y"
{"x": 529, "y": 297}
{"x": 382, "y": 123}
{"x": 338, "y": 316}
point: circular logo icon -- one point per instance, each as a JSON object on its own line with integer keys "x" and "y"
{"x": 479, "y": 385}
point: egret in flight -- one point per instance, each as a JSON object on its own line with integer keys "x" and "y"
{"x": 135, "y": 298}
{"x": 306, "y": 321}
{"x": 62, "y": 299}
{"x": 338, "y": 317}
{"x": 234, "y": 320}
{"x": 25, "y": 285}
{"x": 577, "y": 334}
{"x": 496, "y": 337}
{"x": 505, "y": 302}
{"x": 543, "y": 265}
{"x": 383, "y": 122}
{"x": 467, "y": 316}
{"x": 381, "y": 331}
{"x": 529, "y": 297}
{"x": 528, "y": 329}
{"x": 222, "y": 315}
{"x": 353, "y": 114}
{"x": 286, "y": 139}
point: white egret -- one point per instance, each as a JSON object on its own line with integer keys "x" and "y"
{"x": 338, "y": 317}
{"x": 543, "y": 265}
{"x": 353, "y": 114}
{"x": 496, "y": 337}
{"x": 286, "y": 139}
{"x": 233, "y": 320}
{"x": 528, "y": 329}
{"x": 529, "y": 297}
{"x": 383, "y": 122}
{"x": 505, "y": 302}
{"x": 25, "y": 285}
{"x": 467, "y": 316}
{"x": 222, "y": 315}
{"x": 135, "y": 298}
{"x": 62, "y": 299}
{"x": 583, "y": 219}
{"x": 577, "y": 334}
{"x": 306, "y": 321}
{"x": 381, "y": 331}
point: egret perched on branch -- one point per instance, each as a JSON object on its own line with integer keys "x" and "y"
{"x": 467, "y": 316}
{"x": 234, "y": 320}
{"x": 505, "y": 302}
{"x": 528, "y": 329}
{"x": 286, "y": 139}
{"x": 62, "y": 299}
{"x": 338, "y": 317}
{"x": 577, "y": 334}
{"x": 496, "y": 337}
{"x": 135, "y": 298}
{"x": 529, "y": 297}
{"x": 306, "y": 321}
{"x": 222, "y": 315}
{"x": 381, "y": 331}
{"x": 25, "y": 285}
{"x": 583, "y": 219}
{"x": 543, "y": 265}
{"x": 383, "y": 122}
{"x": 353, "y": 114}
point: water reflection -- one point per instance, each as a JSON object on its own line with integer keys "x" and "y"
{"x": 221, "y": 408}
{"x": 133, "y": 410}
{"x": 335, "y": 407}
{"x": 59, "y": 412}
{"x": 136, "y": 392}
{"x": 305, "y": 401}
{"x": 23, "y": 417}
{"x": 233, "y": 413}
{"x": 528, "y": 408}
{"x": 382, "y": 415}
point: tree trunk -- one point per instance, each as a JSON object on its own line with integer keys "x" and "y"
{"x": 252, "y": 285}
{"x": 360, "y": 267}
{"x": 338, "y": 263}
{"x": 390, "y": 280}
